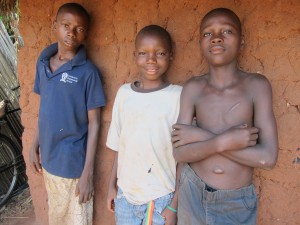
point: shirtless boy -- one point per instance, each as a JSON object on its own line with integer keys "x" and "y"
{"x": 235, "y": 133}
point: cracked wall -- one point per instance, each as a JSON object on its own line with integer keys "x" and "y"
{"x": 272, "y": 37}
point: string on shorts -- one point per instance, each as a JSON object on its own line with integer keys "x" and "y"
{"x": 149, "y": 213}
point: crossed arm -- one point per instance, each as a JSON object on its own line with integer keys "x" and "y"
{"x": 249, "y": 146}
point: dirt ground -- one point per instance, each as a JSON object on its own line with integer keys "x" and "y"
{"x": 18, "y": 211}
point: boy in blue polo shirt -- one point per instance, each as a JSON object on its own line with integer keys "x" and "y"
{"x": 66, "y": 138}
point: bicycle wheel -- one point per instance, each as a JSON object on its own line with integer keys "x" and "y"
{"x": 8, "y": 168}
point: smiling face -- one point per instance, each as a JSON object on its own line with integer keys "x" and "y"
{"x": 152, "y": 56}
{"x": 220, "y": 38}
{"x": 70, "y": 29}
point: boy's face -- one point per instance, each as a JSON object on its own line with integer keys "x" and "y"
{"x": 220, "y": 39}
{"x": 152, "y": 55}
{"x": 70, "y": 29}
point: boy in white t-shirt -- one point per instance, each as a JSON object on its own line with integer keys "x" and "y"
{"x": 144, "y": 170}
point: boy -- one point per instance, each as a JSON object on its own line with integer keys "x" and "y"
{"x": 144, "y": 171}
{"x": 69, "y": 119}
{"x": 236, "y": 131}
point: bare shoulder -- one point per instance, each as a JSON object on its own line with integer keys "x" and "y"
{"x": 256, "y": 81}
{"x": 256, "y": 78}
{"x": 196, "y": 82}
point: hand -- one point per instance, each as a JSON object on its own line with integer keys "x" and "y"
{"x": 170, "y": 217}
{"x": 240, "y": 137}
{"x": 111, "y": 195}
{"x": 185, "y": 134}
{"x": 34, "y": 160}
{"x": 84, "y": 188}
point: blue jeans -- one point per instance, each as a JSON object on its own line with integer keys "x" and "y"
{"x": 199, "y": 204}
{"x": 129, "y": 214}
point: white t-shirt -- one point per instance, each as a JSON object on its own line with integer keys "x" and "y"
{"x": 140, "y": 131}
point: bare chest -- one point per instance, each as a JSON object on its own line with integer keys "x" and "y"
{"x": 56, "y": 64}
{"x": 219, "y": 111}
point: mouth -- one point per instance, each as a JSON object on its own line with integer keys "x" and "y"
{"x": 69, "y": 42}
{"x": 151, "y": 69}
{"x": 217, "y": 49}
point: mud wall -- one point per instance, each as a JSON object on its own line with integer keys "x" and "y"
{"x": 272, "y": 37}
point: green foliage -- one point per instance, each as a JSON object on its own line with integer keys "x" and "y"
{"x": 9, "y": 14}
{"x": 7, "y": 6}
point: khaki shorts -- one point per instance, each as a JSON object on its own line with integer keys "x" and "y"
{"x": 63, "y": 204}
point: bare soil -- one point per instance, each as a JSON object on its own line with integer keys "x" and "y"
{"x": 18, "y": 211}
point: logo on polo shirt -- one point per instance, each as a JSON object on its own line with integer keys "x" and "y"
{"x": 66, "y": 78}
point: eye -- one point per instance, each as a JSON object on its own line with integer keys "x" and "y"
{"x": 141, "y": 53}
{"x": 207, "y": 34}
{"x": 80, "y": 30}
{"x": 66, "y": 25}
{"x": 227, "y": 32}
{"x": 159, "y": 54}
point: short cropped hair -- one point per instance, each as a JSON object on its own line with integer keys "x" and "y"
{"x": 72, "y": 6}
{"x": 226, "y": 11}
{"x": 155, "y": 30}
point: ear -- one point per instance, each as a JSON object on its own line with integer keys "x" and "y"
{"x": 171, "y": 56}
{"x": 54, "y": 26}
{"x": 242, "y": 45}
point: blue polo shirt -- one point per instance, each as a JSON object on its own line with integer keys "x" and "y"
{"x": 65, "y": 98}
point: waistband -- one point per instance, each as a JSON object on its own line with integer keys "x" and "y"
{"x": 216, "y": 194}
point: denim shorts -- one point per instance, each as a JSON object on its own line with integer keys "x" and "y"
{"x": 199, "y": 204}
{"x": 129, "y": 214}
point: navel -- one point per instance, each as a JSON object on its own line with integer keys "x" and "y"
{"x": 218, "y": 170}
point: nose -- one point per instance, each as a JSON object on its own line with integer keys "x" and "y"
{"x": 72, "y": 32}
{"x": 151, "y": 58}
{"x": 216, "y": 39}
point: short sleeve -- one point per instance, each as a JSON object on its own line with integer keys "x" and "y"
{"x": 113, "y": 137}
{"x": 36, "y": 87}
{"x": 94, "y": 91}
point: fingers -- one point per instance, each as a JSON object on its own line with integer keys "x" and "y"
{"x": 253, "y": 140}
{"x": 81, "y": 199}
{"x": 90, "y": 195}
{"x": 253, "y": 137}
{"x": 252, "y": 143}
{"x": 175, "y": 132}
{"x": 251, "y": 129}
{"x": 35, "y": 163}
{"x": 176, "y": 126}
{"x": 84, "y": 197}
{"x": 254, "y": 130}
{"x": 110, "y": 205}
{"x": 36, "y": 168}
{"x": 175, "y": 135}
{"x": 245, "y": 125}
{"x": 175, "y": 139}
{"x": 177, "y": 144}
